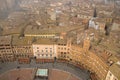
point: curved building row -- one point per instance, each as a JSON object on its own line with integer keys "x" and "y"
{"x": 102, "y": 64}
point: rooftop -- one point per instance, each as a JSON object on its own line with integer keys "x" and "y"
{"x": 5, "y": 39}
{"x": 115, "y": 69}
{"x": 21, "y": 40}
{"x": 38, "y": 30}
{"x": 49, "y": 41}
{"x": 28, "y": 40}
{"x": 48, "y": 30}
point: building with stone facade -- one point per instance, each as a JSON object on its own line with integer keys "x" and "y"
{"x": 45, "y": 50}
{"x": 42, "y": 41}
{"x": 22, "y": 48}
{"x": 6, "y": 53}
{"x": 89, "y": 60}
{"x": 103, "y": 65}
{"x": 114, "y": 72}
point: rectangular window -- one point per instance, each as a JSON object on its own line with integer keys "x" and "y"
{"x": 64, "y": 44}
{"x": 50, "y": 50}
{"x": 37, "y": 50}
{"x": 64, "y": 52}
{"x": 38, "y": 54}
{"x": 110, "y": 74}
{"x": 50, "y": 55}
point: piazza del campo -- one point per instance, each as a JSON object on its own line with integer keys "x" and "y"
{"x": 59, "y": 39}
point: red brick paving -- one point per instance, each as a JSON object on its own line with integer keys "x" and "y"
{"x": 28, "y": 74}
{"x": 18, "y": 74}
{"x": 73, "y": 78}
{"x": 60, "y": 75}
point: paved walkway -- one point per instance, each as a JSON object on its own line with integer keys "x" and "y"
{"x": 62, "y": 66}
